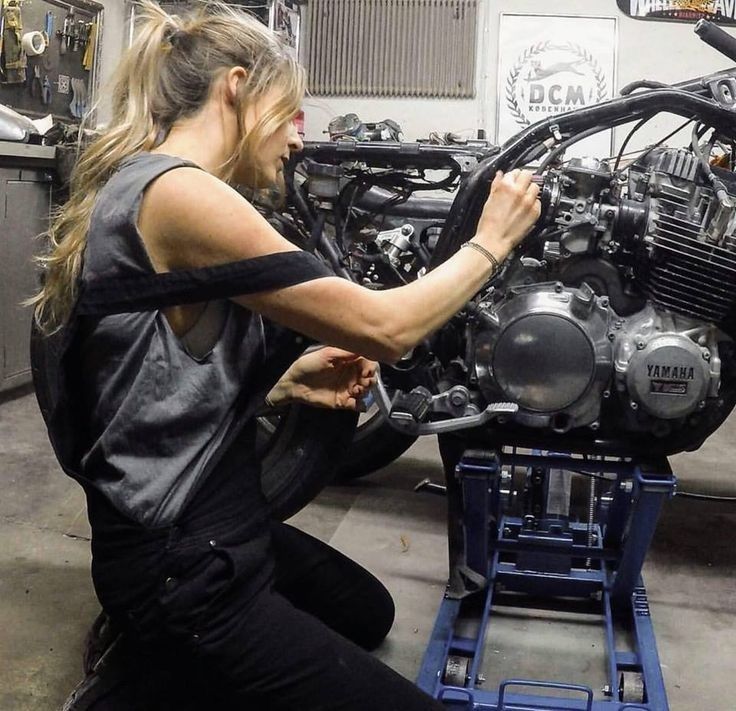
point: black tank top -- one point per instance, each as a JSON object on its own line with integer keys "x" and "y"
{"x": 156, "y": 414}
{"x": 162, "y": 440}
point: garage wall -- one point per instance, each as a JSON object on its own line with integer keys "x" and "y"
{"x": 664, "y": 51}
{"x": 114, "y": 38}
{"x": 668, "y": 52}
{"x": 417, "y": 116}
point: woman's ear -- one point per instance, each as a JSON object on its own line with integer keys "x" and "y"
{"x": 234, "y": 77}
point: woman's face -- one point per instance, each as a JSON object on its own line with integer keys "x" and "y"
{"x": 273, "y": 153}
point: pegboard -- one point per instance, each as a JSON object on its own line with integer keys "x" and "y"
{"x": 61, "y": 69}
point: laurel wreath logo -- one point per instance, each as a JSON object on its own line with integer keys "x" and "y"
{"x": 539, "y": 48}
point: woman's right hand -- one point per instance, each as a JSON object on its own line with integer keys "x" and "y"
{"x": 510, "y": 212}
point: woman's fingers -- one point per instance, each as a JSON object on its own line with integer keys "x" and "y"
{"x": 524, "y": 179}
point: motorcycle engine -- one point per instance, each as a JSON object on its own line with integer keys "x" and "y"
{"x": 612, "y": 320}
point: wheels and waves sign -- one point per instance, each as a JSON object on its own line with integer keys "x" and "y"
{"x": 721, "y": 11}
{"x": 551, "y": 64}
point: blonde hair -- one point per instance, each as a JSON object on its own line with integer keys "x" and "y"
{"x": 166, "y": 75}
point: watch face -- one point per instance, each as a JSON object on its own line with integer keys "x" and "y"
{"x": 722, "y": 12}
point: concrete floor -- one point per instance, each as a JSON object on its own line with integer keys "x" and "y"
{"x": 47, "y": 602}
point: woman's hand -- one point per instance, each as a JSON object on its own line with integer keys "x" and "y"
{"x": 510, "y": 212}
{"x": 327, "y": 377}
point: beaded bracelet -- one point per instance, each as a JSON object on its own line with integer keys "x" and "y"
{"x": 480, "y": 248}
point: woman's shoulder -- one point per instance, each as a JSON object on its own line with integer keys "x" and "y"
{"x": 113, "y": 241}
{"x": 140, "y": 169}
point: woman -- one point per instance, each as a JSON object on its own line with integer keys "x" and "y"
{"x": 166, "y": 372}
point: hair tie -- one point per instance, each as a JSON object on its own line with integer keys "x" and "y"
{"x": 175, "y": 37}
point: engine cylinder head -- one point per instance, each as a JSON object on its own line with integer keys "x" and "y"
{"x": 681, "y": 265}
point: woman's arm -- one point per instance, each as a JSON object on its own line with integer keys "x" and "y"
{"x": 191, "y": 219}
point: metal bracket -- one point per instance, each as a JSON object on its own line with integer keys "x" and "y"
{"x": 409, "y": 426}
{"x": 723, "y": 90}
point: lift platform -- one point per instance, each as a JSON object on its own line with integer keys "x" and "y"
{"x": 525, "y": 546}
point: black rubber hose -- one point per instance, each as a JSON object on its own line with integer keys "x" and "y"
{"x": 473, "y": 191}
{"x": 562, "y": 147}
{"x": 325, "y": 246}
{"x": 718, "y": 187}
{"x": 705, "y": 497}
{"x": 424, "y": 208}
{"x": 717, "y": 38}
{"x": 297, "y": 199}
{"x": 643, "y": 84}
{"x": 316, "y": 234}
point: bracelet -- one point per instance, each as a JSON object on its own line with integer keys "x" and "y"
{"x": 488, "y": 255}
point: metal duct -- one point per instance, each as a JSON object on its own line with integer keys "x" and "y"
{"x": 392, "y": 47}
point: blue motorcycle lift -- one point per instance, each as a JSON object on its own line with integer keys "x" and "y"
{"x": 544, "y": 556}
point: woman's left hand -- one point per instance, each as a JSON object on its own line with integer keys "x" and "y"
{"x": 326, "y": 377}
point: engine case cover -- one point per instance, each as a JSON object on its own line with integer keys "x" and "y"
{"x": 668, "y": 377}
{"x": 546, "y": 348}
{"x": 662, "y": 368}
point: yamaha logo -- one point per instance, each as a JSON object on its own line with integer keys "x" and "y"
{"x": 551, "y": 78}
{"x": 674, "y": 372}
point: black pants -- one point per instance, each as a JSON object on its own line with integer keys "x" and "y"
{"x": 298, "y": 644}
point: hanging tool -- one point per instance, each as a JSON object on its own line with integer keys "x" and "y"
{"x": 35, "y": 83}
{"x": 78, "y": 105}
{"x": 88, "y": 60}
{"x": 48, "y": 24}
{"x": 15, "y": 60}
{"x": 46, "y": 91}
{"x": 48, "y": 29}
{"x": 65, "y": 34}
{"x": 77, "y": 35}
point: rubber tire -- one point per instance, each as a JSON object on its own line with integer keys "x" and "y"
{"x": 301, "y": 456}
{"x": 375, "y": 445}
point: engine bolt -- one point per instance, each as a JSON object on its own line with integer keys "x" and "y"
{"x": 640, "y": 345}
{"x": 457, "y": 398}
{"x": 633, "y": 405}
{"x": 611, "y": 337}
{"x": 595, "y": 426}
{"x": 706, "y": 355}
{"x": 606, "y": 394}
{"x": 604, "y": 302}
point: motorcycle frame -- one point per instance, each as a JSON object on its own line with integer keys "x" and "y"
{"x": 709, "y": 98}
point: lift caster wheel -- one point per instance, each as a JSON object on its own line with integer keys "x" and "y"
{"x": 631, "y": 688}
{"x": 456, "y": 670}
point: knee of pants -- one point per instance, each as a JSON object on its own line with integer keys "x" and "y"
{"x": 378, "y": 623}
